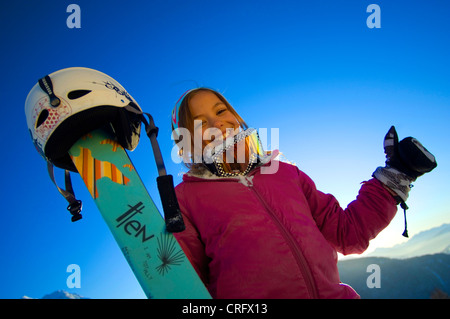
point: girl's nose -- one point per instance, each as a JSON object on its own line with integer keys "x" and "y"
{"x": 217, "y": 123}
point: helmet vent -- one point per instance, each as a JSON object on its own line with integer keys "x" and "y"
{"x": 73, "y": 95}
{"x": 42, "y": 117}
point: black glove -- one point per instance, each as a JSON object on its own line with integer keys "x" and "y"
{"x": 405, "y": 161}
{"x": 408, "y": 156}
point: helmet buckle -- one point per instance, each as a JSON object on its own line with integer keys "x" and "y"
{"x": 75, "y": 209}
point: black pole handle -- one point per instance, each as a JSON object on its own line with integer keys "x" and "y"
{"x": 172, "y": 213}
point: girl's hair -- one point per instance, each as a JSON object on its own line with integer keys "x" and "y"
{"x": 186, "y": 120}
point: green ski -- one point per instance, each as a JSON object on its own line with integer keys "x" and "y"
{"x": 154, "y": 255}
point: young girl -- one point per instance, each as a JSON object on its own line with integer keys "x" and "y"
{"x": 272, "y": 234}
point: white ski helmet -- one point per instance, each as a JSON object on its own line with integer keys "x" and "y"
{"x": 69, "y": 103}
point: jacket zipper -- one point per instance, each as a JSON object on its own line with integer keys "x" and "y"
{"x": 301, "y": 261}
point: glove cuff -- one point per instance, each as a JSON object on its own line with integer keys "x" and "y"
{"x": 397, "y": 181}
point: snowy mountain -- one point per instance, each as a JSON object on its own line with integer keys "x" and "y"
{"x": 59, "y": 294}
{"x": 433, "y": 241}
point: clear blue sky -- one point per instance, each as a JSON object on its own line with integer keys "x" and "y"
{"x": 330, "y": 84}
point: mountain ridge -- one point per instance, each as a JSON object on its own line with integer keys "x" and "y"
{"x": 412, "y": 278}
{"x": 416, "y": 269}
{"x": 59, "y": 294}
{"x": 432, "y": 241}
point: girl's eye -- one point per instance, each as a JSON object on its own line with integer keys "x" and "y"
{"x": 221, "y": 111}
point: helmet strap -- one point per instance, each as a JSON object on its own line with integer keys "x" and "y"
{"x": 47, "y": 86}
{"x": 172, "y": 213}
{"x": 75, "y": 205}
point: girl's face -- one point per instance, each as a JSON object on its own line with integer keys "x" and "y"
{"x": 208, "y": 111}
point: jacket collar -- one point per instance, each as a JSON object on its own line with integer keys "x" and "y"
{"x": 202, "y": 173}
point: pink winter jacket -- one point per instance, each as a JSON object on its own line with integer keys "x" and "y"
{"x": 275, "y": 235}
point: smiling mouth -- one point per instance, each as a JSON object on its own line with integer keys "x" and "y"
{"x": 229, "y": 132}
{"x": 217, "y": 139}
